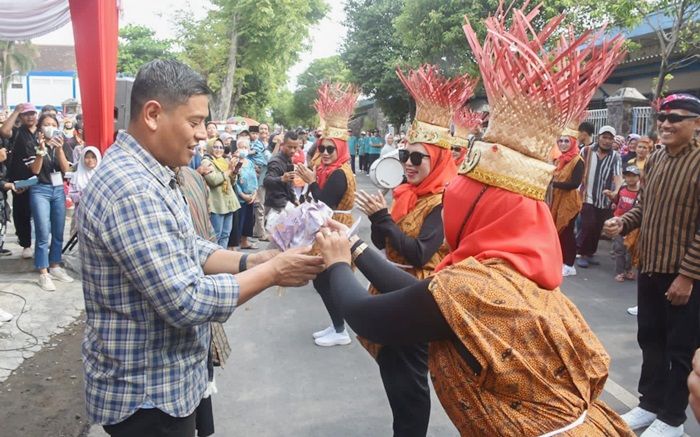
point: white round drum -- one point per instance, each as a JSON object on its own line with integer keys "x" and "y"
{"x": 387, "y": 172}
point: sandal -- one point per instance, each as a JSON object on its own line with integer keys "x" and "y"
{"x": 630, "y": 275}
{"x": 249, "y": 247}
{"x": 620, "y": 277}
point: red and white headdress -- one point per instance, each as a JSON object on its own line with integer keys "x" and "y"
{"x": 335, "y": 105}
{"x": 536, "y": 83}
{"x": 436, "y": 98}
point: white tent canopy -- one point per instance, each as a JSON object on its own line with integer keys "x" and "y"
{"x": 27, "y": 19}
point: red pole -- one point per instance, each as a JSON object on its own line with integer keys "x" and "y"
{"x": 96, "y": 32}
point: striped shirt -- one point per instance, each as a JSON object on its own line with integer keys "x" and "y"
{"x": 668, "y": 212}
{"x": 147, "y": 299}
{"x": 600, "y": 176}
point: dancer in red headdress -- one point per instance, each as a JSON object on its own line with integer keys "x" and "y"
{"x": 411, "y": 234}
{"x": 510, "y": 355}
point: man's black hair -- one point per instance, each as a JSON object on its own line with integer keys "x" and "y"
{"x": 586, "y": 127}
{"x": 169, "y": 82}
{"x": 290, "y": 135}
{"x": 47, "y": 108}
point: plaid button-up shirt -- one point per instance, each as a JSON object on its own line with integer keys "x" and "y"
{"x": 147, "y": 299}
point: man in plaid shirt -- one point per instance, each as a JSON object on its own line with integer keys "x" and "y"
{"x": 151, "y": 285}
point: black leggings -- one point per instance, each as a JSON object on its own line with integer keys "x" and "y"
{"x": 21, "y": 217}
{"x": 404, "y": 371}
{"x": 323, "y": 288}
{"x": 567, "y": 240}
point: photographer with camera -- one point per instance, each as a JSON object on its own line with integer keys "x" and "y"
{"x": 48, "y": 201}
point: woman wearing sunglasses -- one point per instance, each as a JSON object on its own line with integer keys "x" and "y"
{"x": 333, "y": 183}
{"x": 411, "y": 233}
{"x": 510, "y": 355}
{"x": 566, "y": 199}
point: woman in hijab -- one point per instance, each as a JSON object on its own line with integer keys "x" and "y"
{"x": 90, "y": 158}
{"x": 333, "y": 183}
{"x": 510, "y": 355}
{"x": 566, "y": 199}
{"x": 223, "y": 201}
{"x": 411, "y": 234}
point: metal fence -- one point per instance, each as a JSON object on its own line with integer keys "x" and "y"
{"x": 599, "y": 118}
{"x": 642, "y": 119}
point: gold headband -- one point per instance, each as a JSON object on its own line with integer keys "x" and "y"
{"x": 421, "y": 132}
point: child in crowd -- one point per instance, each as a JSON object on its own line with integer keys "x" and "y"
{"x": 86, "y": 164}
{"x": 625, "y": 198}
{"x": 90, "y": 158}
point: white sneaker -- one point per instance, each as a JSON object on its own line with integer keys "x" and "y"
{"x": 323, "y": 333}
{"x": 632, "y": 311}
{"x": 5, "y": 316}
{"x": 663, "y": 429}
{"x": 59, "y": 274}
{"x": 45, "y": 282}
{"x": 568, "y": 270}
{"x": 334, "y": 339}
{"x": 27, "y": 253}
{"x": 638, "y": 417}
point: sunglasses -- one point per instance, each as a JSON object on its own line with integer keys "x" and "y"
{"x": 674, "y": 118}
{"x": 324, "y": 149}
{"x": 456, "y": 148}
{"x": 415, "y": 157}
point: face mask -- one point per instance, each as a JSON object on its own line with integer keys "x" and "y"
{"x": 242, "y": 153}
{"x": 48, "y": 131}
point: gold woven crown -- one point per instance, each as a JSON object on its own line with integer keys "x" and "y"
{"x": 436, "y": 100}
{"x": 335, "y": 105}
{"x": 534, "y": 87}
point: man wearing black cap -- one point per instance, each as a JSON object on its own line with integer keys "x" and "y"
{"x": 667, "y": 213}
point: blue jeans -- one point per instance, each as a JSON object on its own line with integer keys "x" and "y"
{"x": 48, "y": 205}
{"x": 222, "y": 227}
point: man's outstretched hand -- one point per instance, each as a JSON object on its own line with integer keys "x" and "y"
{"x": 295, "y": 268}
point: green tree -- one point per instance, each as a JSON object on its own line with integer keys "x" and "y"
{"x": 138, "y": 45}
{"x": 676, "y": 24}
{"x": 245, "y": 48}
{"x": 15, "y": 58}
{"x": 372, "y": 51}
{"x": 282, "y": 108}
{"x": 331, "y": 69}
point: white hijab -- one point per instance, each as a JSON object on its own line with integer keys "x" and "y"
{"x": 83, "y": 175}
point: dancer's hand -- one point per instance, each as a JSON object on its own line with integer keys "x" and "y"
{"x": 370, "y": 203}
{"x": 294, "y": 268}
{"x": 336, "y": 226}
{"x": 334, "y": 246}
{"x": 305, "y": 174}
